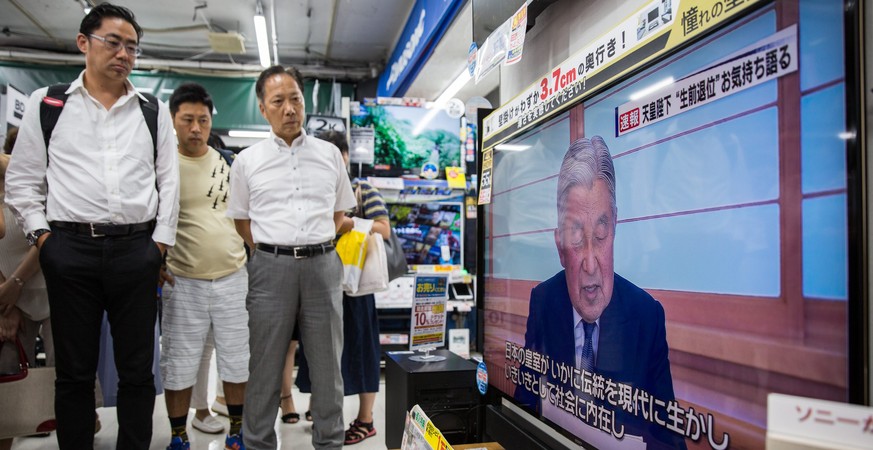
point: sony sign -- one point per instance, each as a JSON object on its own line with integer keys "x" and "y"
{"x": 400, "y": 65}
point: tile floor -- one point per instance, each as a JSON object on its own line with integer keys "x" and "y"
{"x": 297, "y": 436}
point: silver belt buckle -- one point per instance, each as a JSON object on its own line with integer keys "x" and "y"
{"x": 95, "y": 234}
{"x": 296, "y": 256}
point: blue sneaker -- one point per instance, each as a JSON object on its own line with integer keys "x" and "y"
{"x": 234, "y": 442}
{"x": 177, "y": 444}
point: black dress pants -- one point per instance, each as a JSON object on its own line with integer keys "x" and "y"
{"x": 84, "y": 277}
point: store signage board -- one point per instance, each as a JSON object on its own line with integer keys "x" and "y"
{"x": 316, "y": 124}
{"x": 655, "y": 29}
{"x": 362, "y": 145}
{"x": 15, "y": 103}
{"x": 427, "y": 23}
{"x": 812, "y": 423}
{"x": 428, "y": 316}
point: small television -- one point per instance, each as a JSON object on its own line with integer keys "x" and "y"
{"x": 431, "y": 234}
{"x": 401, "y": 148}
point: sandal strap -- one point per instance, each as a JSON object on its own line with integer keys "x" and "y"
{"x": 283, "y": 397}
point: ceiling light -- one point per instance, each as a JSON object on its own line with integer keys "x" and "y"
{"x": 652, "y": 89}
{"x": 248, "y": 134}
{"x": 261, "y": 33}
{"x": 86, "y": 6}
{"x": 441, "y": 101}
{"x": 512, "y": 147}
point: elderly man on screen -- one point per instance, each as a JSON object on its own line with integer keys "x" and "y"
{"x": 590, "y": 318}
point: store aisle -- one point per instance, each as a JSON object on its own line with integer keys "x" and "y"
{"x": 297, "y": 436}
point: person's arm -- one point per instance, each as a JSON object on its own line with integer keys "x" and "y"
{"x": 26, "y": 187}
{"x": 2, "y": 226}
{"x": 244, "y": 229}
{"x": 10, "y": 289}
{"x": 342, "y": 223}
{"x": 9, "y": 325}
{"x": 167, "y": 176}
{"x": 383, "y": 227}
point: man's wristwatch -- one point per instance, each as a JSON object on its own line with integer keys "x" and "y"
{"x": 34, "y": 235}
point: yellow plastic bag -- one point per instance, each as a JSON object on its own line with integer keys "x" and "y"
{"x": 352, "y": 250}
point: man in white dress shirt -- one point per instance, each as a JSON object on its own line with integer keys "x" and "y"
{"x": 288, "y": 195}
{"x": 100, "y": 201}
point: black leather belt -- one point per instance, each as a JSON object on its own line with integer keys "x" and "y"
{"x": 299, "y": 252}
{"x": 103, "y": 229}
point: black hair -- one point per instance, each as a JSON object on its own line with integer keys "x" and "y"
{"x": 190, "y": 93}
{"x": 94, "y": 19}
{"x": 336, "y": 138}
{"x": 270, "y": 71}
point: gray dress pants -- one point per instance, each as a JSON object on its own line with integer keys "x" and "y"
{"x": 283, "y": 290}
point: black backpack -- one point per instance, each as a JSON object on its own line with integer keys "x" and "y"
{"x": 53, "y": 103}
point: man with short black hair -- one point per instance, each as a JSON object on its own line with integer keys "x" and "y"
{"x": 288, "y": 197}
{"x": 206, "y": 278}
{"x": 99, "y": 198}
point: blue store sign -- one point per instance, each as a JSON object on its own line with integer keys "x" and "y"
{"x": 426, "y": 25}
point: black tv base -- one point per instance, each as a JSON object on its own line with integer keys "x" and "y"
{"x": 511, "y": 431}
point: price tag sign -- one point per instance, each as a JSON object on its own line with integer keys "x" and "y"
{"x": 317, "y": 124}
{"x": 428, "y": 324}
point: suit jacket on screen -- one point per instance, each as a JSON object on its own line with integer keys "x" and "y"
{"x": 632, "y": 348}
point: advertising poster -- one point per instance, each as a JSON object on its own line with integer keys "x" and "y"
{"x": 485, "y": 183}
{"x": 516, "y": 36}
{"x": 429, "y": 312}
{"x": 649, "y": 284}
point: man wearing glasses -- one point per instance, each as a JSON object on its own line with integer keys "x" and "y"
{"x": 101, "y": 202}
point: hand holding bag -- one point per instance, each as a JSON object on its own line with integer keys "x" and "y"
{"x": 394, "y": 255}
{"x": 374, "y": 275}
{"x": 352, "y": 250}
{"x": 30, "y": 393}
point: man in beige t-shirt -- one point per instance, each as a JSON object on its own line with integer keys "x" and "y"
{"x": 206, "y": 270}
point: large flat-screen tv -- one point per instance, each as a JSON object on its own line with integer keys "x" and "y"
{"x": 431, "y": 234}
{"x": 726, "y": 271}
{"x": 403, "y": 145}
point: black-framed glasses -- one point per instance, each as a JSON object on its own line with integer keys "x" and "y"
{"x": 114, "y": 45}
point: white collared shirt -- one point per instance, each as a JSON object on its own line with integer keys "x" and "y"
{"x": 290, "y": 193}
{"x": 101, "y": 166}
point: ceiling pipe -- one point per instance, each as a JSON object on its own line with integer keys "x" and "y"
{"x": 273, "y": 33}
{"x": 352, "y": 73}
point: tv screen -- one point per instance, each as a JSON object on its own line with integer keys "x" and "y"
{"x": 721, "y": 276}
{"x": 404, "y": 142}
{"x": 431, "y": 233}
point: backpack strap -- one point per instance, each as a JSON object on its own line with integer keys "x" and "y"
{"x": 53, "y": 104}
{"x": 228, "y": 155}
{"x": 50, "y": 110}
{"x": 150, "y": 113}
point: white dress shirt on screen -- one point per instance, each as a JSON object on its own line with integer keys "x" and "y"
{"x": 290, "y": 193}
{"x": 101, "y": 165}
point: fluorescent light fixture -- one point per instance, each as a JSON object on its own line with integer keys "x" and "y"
{"x": 512, "y": 147}
{"x": 652, "y": 89}
{"x": 261, "y": 33}
{"x": 441, "y": 101}
{"x": 846, "y": 135}
{"x": 248, "y": 134}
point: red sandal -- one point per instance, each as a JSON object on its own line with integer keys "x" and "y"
{"x": 358, "y": 431}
